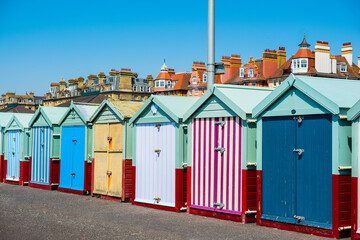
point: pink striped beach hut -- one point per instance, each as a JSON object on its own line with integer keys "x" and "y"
{"x": 222, "y": 144}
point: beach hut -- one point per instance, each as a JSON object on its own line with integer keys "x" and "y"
{"x": 76, "y": 149}
{"x": 4, "y": 120}
{"x": 112, "y": 163}
{"x": 354, "y": 116}
{"x": 18, "y": 148}
{"x": 159, "y": 163}
{"x": 223, "y": 152}
{"x": 45, "y": 157}
{"x": 304, "y": 154}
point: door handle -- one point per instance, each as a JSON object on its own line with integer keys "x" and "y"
{"x": 299, "y": 218}
{"x": 299, "y": 151}
{"x": 72, "y": 174}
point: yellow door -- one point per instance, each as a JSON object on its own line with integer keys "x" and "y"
{"x": 115, "y": 160}
{"x": 101, "y": 146}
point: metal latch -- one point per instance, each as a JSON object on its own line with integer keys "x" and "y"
{"x": 13, "y": 153}
{"x": 299, "y": 119}
{"x": 158, "y": 151}
{"x": 109, "y": 139}
{"x": 299, "y": 218}
{"x": 42, "y": 144}
{"x": 109, "y": 173}
{"x": 74, "y": 141}
{"x": 72, "y": 174}
{"x": 299, "y": 151}
{"x": 158, "y": 125}
{"x": 157, "y": 199}
{"x": 219, "y": 205}
{"x": 220, "y": 123}
{"x": 221, "y": 150}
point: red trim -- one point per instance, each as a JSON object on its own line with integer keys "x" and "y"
{"x": 297, "y": 228}
{"x": 11, "y": 182}
{"x": 258, "y": 196}
{"x": 92, "y": 175}
{"x": 231, "y": 217}
{"x": 66, "y": 190}
{"x": 133, "y": 184}
{"x": 54, "y": 171}
{"x": 24, "y": 173}
{"x": 41, "y": 186}
{"x": 354, "y": 208}
{"x": 4, "y": 170}
{"x": 127, "y": 181}
{"x": 185, "y": 187}
{"x": 248, "y": 199}
{"x": 87, "y": 177}
{"x": 188, "y": 188}
{"x": 1, "y": 167}
{"x": 171, "y": 209}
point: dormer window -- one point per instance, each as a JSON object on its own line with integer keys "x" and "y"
{"x": 251, "y": 72}
{"x": 303, "y": 63}
{"x": 157, "y": 84}
{"x": 194, "y": 80}
{"x": 342, "y": 66}
{"x": 242, "y": 72}
{"x": 204, "y": 77}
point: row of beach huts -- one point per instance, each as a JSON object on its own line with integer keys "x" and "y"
{"x": 285, "y": 158}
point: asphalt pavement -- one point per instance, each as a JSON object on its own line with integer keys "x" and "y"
{"x": 29, "y": 213}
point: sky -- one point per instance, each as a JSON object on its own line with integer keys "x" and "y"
{"x": 44, "y": 41}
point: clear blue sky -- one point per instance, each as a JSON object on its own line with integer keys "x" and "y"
{"x": 43, "y": 41}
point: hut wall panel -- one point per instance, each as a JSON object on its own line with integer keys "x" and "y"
{"x": 127, "y": 179}
{"x": 155, "y": 173}
{"x": 40, "y": 164}
{"x": 4, "y": 170}
{"x": 216, "y": 177}
{"x": 1, "y": 167}
{"x": 24, "y": 173}
{"x": 13, "y": 165}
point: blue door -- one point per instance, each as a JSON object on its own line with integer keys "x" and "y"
{"x": 13, "y": 161}
{"x": 278, "y": 185}
{"x": 40, "y": 164}
{"x": 297, "y": 175}
{"x": 314, "y": 171}
{"x": 72, "y": 161}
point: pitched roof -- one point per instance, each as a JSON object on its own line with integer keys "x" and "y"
{"x": 164, "y": 75}
{"x": 23, "y": 119}
{"x": 240, "y": 99}
{"x": 332, "y": 94}
{"x": 5, "y": 118}
{"x": 235, "y": 78}
{"x": 95, "y": 99}
{"x": 52, "y": 114}
{"x": 86, "y": 110}
{"x": 123, "y": 109}
{"x": 182, "y": 80}
{"x": 174, "y": 106}
{"x": 17, "y": 109}
{"x": 304, "y": 53}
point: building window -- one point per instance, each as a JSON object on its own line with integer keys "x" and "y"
{"x": 241, "y": 72}
{"x": 194, "y": 80}
{"x": 279, "y": 81}
{"x": 205, "y": 77}
{"x": 303, "y": 63}
{"x": 196, "y": 91}
{"x": 162, "y": 83}
{"x": 274, "y": 82}
{"x": 342, "y": 67}
{"x": 251, "y": 72}
{"x": 157, "y": 84}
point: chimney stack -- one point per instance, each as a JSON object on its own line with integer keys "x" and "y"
{"x": 281, "y": 56}
{"x": 346, "y": 51}
{"x": 322, "y": 57}
{"x": 235, "y": 64}
{"x": 270, "y": 62}
{"x": 62, "y": 84}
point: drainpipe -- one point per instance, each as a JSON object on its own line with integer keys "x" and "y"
{"x": 211, "y": 44}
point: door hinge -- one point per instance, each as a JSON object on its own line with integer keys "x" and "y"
{"x": 299, "y": 151}
{"x": 221, "y": 150}
{"x": 220, "y": 123}
{"x": 299, "y": 218}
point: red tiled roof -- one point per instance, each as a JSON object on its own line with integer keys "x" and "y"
{"x": 164, "y": 76}
{"x": 304, "y": 53}
{"x": 182, "y": 81}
